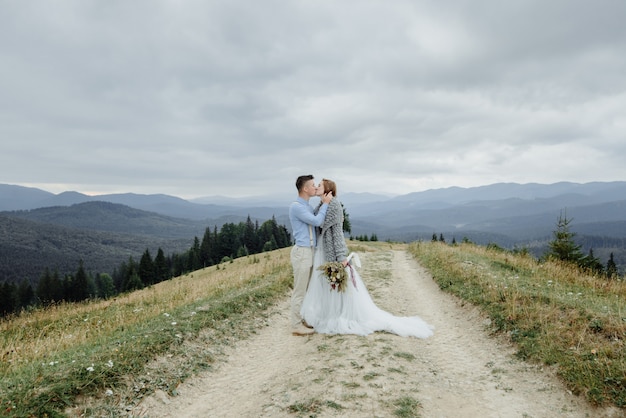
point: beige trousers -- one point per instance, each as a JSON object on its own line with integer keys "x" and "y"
{"x": 302, "y": 263}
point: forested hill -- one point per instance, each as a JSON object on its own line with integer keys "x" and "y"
{"x": 509, "y": 215}
{"x": 103, "y": 235}
{"x": 28, "y": 247}
{"x": 113, "y": 217}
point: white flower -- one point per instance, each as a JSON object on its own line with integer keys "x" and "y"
{"x": 110, "y": 363}
{"x": 90, "y": 368}
{"x": 109, "y": 392}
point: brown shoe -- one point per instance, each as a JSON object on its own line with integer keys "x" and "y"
{"x": 301, "y": 330}
{"x": 306, "y": 325}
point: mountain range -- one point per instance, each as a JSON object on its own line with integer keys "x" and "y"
{"x": 509, "y": 214}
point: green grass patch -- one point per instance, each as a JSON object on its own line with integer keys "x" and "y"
{"x": 311, "y": 407}
{"x": 406, "y": 407}
{"x": 406, "y": 356}
{"x": 370, "y": 376}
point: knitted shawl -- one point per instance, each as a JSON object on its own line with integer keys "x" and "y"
{"x": 335, "y": 248}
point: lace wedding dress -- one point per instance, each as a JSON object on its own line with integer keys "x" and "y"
{"x": 352, "y": 311}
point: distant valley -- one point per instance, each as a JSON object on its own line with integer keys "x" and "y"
{"x": 106, "y": 229}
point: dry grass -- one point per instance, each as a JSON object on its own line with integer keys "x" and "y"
{"x": 50, "y": 356}
{"x": 555, "y": 314}
{"x": 155, "y": 338}
{"x": 43, "y": 332}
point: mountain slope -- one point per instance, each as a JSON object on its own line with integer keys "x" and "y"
{"x": 112, "y": 217}
{"x": 507, "y": 214}
{"x": 28, "y": 247}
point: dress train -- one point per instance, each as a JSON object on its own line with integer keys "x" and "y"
{"x": 353, "y": 311}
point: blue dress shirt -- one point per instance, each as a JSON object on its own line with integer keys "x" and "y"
{"x": 301, "y": 215}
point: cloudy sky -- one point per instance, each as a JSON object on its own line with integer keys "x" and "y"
{"x": 237, "y": 98}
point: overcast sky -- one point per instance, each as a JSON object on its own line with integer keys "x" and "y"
{"x": 238, "y": 98}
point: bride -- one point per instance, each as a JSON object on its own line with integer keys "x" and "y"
{"x": 351, "y": 311}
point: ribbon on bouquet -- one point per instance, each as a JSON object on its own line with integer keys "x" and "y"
{"x": 357, "y": 261}
{"x": 351, "y": 274}
{"x": 356, "y": 258}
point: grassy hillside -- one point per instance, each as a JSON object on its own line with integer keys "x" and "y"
{"x": 553, "y": 313}
{"x": 107, "y": 355}
{"x": 101, "y": 352}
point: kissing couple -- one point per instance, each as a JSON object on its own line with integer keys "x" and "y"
{"x": 316, "y": 304}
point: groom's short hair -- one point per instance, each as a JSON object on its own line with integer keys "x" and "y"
{"x": 300, "y": 181}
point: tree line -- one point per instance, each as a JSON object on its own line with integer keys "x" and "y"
{"x": 215, "y": 247}
{"x": 563, "y": 247}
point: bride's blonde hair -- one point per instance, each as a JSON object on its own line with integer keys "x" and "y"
{"x": 330, "y": 186}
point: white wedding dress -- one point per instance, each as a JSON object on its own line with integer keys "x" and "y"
{"x": 352, "y": 311}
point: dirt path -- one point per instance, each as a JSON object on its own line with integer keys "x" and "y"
{"x": 459, "y": 372}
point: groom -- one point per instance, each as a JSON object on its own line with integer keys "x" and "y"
{"x": 303, "y": 220}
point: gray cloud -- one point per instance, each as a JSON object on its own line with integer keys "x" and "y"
{"x": 198, "y": 98}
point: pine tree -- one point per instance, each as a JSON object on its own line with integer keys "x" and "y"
{"x": 179, "y": 264}
{"x": 284, "y": 238}
{"x": 563, "y": 247}
{"x": 7, "y": 298}
{"x": 347, "y": 226}
{"x": 611, "y": 268}
{"x": 57, "y": 292}
{"x": 592, "y": 263}
{"x": 130, "y": 277}
{"x": 133, "y": 283}
{"x": 194, "y": 262}
{"x": 24, "y": 295}
{"x": 266, "y": 236}
{"x": 146, "y": 269}
{"x": 227, "y": 241}
{"x": 44, "y": 288}
{"x": 160, "y": 267}
{"x": 205, "y": 248}
{"x": 80, "y": 284}
{"x": 249, "y": 238}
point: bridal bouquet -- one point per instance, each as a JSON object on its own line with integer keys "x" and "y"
{"x": 335, "y": 274}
